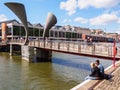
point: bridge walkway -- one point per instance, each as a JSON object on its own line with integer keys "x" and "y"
{"x": 99, "y": 50}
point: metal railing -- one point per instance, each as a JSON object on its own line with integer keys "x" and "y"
{"x": 101, "y": 49}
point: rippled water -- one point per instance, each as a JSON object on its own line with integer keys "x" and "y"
{"x": 65, "y": 72}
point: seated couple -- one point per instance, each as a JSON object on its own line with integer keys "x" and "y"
{"x": 97, "y": 72}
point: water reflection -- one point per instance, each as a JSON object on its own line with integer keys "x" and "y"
{"x": 72, "y": 64}
{"x": 65, "y": 72}
{"x": 74, "y": 67}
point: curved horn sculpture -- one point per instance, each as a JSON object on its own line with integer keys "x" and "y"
{"x": 50, "y": 21}
{"x": 19, "y": 10}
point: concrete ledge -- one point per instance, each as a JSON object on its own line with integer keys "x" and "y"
{"x": 90, "y": 84}
{"x": 86, "y": 85}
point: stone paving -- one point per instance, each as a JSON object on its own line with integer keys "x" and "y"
{"x": 113, "y": 83}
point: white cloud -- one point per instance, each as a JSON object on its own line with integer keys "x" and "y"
{"x": 97, "y": 3}
{"x": 2, "y": 17}
{"x": 104, "y": 19}
{"x": 67, "y": 20}
{"x": 70, "y": 6}
{"x": 81, "y": 20}
{"x": 83, "y": 3}
{"x": 119, "y": 20}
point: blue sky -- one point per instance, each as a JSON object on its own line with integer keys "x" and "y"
{"x": 93, "y": 14}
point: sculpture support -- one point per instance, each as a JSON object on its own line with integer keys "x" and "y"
{"x": 19, "y": 10}
{"x": 50, "y": 21}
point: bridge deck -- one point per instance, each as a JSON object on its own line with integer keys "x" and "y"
{"x": 112, "y": 84}
{"x": 99, "y": 50}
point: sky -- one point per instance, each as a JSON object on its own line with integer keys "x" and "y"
{"x": 93, "y": 14}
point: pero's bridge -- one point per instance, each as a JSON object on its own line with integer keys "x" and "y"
{"x": 99, "y": 50}
{"x": 37, "y": 48}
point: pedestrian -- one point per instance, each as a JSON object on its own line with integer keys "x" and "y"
{"x": 100, "y": 66}
{"x": 95, "y": 72}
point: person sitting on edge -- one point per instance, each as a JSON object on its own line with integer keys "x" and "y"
{"x": 95, "y": 72}
{"x": 100, "y": 66}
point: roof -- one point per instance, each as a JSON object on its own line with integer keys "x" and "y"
{"x": 15, "y": 21}
{"x": 10, "y": 21}
{"x": 37, "y": 24}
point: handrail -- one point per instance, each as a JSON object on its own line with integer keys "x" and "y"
{"x": 99, "y": 49}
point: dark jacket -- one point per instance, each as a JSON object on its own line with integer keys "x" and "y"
{"x": 95, "y": 72}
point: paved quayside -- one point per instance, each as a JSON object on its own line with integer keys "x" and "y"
{"x": 112, "y": 84}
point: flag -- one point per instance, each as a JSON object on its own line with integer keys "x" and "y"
{"x": 114, "y": 52}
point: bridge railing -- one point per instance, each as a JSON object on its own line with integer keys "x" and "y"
{"x": 101, "y": 49}
{"x": 77, "y": 47}
{"x": 15, "y": 41}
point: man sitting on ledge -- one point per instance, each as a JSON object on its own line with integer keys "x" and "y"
{"x": 100, "y": 66}
{"x": 95, "y": 72}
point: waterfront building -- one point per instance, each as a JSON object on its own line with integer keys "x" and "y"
{"x": 82, "y": 30}
{"x": 15, "y": 30}
{"x": 97, "y": 32}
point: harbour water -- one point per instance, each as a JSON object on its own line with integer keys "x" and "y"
{"x": 63, "y": 73}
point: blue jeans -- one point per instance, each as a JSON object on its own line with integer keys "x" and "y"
{"x": 92, "y": 78}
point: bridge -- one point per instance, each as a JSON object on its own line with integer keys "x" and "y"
{"x": 98, "y": 50}
{"x": 37, "y": 49}
{"x": 40, "y": 48}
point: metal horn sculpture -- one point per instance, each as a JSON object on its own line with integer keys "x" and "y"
{"x": 19, "y": 10}
{"x": 50, "y": 21}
